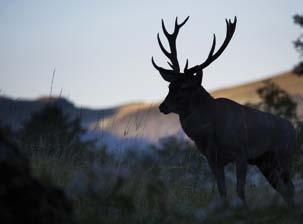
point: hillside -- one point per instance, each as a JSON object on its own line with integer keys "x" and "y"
{"x": 138, "y": 120}
{"x": 247, "y": 92}
{"x": 146, "y": 121}
{"x": 14, "y": 112}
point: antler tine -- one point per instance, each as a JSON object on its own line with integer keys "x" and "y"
{"x": 160, "y": 69}
{"x": 181, "y": 24}
{"x": 172, "y": 55}
{"x": 167, "y": 54}
{"x": 166, "y": 33}
{"x": 186, "y": 66}
{"x": 230, "y": 29}
{"x": 170, "y": 65}
{"x": 178, "y": 26}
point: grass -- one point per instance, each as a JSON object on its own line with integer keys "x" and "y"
{"x": 172, "y": 184}
{"x": 165, "y": 183}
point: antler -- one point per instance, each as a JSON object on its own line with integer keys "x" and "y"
{"x": 172, "y": 55}
{"x": 230, "y": 29}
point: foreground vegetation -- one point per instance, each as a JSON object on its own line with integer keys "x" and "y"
{"x": 167, "y": 183}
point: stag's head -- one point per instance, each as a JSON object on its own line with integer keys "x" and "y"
{"x": 182, "y": 85}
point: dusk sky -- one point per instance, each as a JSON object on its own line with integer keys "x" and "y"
{"x": 102, "y": 50}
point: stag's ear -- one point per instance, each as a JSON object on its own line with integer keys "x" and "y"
{"x": 199, "y": 76}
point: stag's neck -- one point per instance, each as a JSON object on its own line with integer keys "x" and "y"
{"x": 200, "y": 100}
{"x": 196, "y": 120}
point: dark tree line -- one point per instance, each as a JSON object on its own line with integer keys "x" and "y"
{"x": 277, "y": 101}
{"x": 51, "y": 132}
{"x": 298, "y": 44}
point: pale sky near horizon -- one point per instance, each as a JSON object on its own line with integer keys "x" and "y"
{"x": 102, "y": 49}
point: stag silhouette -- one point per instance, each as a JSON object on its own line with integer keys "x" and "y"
{"x": 223, "y": 130}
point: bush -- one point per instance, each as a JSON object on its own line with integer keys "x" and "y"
{"x": 276, "y": 101}
{"x": 51, "y": 132}
{"x": 23, "y": 198}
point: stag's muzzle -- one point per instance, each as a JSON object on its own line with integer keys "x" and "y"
{"x": 163, "y": 108}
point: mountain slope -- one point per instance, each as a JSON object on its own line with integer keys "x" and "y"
{"x": 138, "y": 120}
{"x": 247, "y": 92}
{"x": 146, "y": 121}
{"x": 15, "y": 112}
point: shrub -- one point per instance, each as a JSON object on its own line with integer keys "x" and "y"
{"x": 51, "y": 132}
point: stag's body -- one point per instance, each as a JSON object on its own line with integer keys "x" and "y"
{"x": 225, "y": 131}
{"x": 240, "y": 130}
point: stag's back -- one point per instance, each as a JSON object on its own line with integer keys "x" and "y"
{"x": 244, "y": 130}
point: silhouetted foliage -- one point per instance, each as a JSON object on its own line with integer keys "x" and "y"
{"x": 276, "y": 101}
{"x": 298, "y": 43}
{"x": 24, "y": 199}
{"x": 53, "y": 132}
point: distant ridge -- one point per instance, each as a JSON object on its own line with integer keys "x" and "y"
{"x": 247, "y": 92}
{"x": 14, "y": 112}
{"x": 140, "y": 120}
{"x": 145, "y": 120}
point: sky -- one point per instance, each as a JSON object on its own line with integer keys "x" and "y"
{"x": 101, "y": 50}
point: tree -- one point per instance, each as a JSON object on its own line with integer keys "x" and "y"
{"x": 298, "y": 43}
{"x": 50, "y": 131}
{"x": 276, "y": 101}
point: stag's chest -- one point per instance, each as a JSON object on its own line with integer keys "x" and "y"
{"x": 196, "y": 126}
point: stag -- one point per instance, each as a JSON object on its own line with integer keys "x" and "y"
{"x": 223, "y": 130}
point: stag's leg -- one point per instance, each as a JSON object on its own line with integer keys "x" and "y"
{"x": 216, "y": 166}
{"x": 286, "y": 175}
{"x": 279, "y": 179}
{"x": 218, "y": 172}
{"x": 241, "y": 169}
{"x": 284, "y": 171}
{"x": 289, "y": 188}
